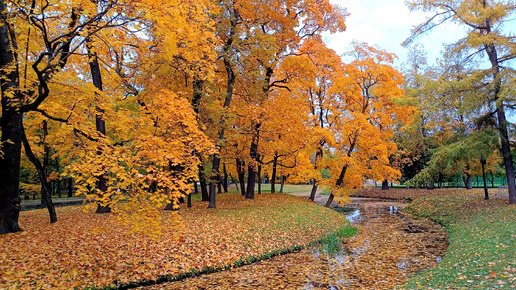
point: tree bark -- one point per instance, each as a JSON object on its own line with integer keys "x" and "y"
{"x": 385, "y": 185}
{"x": 45, "y": 187}
{"x": 502, "y": 121}
{"x": 273, "y": 177}
{"x": 253, "y": 152}
{"x": 282, "y": 182}
{"x": 70, "y": 187}
{"x": 11, "y": 131}
{"x": 469, "y": 182}
{"x": 431, "y": 186}
{"x": 219, "y": 186}
{"x": 229, "y": 95}
{"x": 259, "y": 177}
{"x": 318, "y": 156}
{"x": 100, "y": 124}
{"x": 339, "y": 182}
{"x": 225, "y": 180}
{"x": 241, "y": 175}
{"x": 202, "y": 184}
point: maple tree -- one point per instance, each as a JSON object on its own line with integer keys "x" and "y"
{"x": 369, "y": 90}
{"x": 486, "y": 41}
{"x": 103, "y": 31}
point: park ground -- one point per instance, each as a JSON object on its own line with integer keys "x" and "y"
{"x": 87, "y": 250}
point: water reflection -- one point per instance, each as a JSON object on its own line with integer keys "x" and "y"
{"x": 354, "y": 217}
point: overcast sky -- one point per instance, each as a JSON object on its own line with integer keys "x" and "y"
{"x": 387, "y": 23}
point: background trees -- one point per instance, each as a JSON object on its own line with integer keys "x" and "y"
{"x": 490, "y": 48}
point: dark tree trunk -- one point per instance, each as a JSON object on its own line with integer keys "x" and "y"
{"x": 241, "y": 175}
{"x": 469, "y": 182}
{"x": 259, "y": 177}
{"x": 273, "y": 177}
{"x": 70, "y": 187}
{"x": 189, "y": 200}
{"x": 282, "y": 182}
{"x": 251, "y": 180}
{"x": 339, "y": 182}
{"x": 318, "y": 156}
{"x": 45, "y": 187}
{"x": 225, "y": 180}
{"x": 11, "y": 133}
{"x": 219, "y": 186}
{"x": 502, "y": 121}
{"x": 202, "y": 184}
{"x": 212, "y": 201}
{"x": 196, "y": 189}
{"x": 253, "y": 152}
{"x": 431, "y": 186}
{"x": 385, "y": 185}
{"x": 46, "y": 161}
{"x": 100, "y": 124}
{"x": 229, "y": 95}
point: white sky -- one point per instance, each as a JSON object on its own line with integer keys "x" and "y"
{"x": 387, "y": 23}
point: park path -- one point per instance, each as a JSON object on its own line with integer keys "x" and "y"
{"x": 389, "y": 247}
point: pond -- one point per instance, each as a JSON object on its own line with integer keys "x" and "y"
{"x": 389, "y": 247}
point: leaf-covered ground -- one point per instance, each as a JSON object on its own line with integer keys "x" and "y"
{"x": 482, "y": 235}
{"x": 387, "y": 250}
{"x": 85, "y": 249}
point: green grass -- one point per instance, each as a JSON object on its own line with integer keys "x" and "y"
{"x": 332, "y": 244}
{"x": 482, "y": 237}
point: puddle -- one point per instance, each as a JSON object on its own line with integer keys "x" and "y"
{"x": 388, "y": 248}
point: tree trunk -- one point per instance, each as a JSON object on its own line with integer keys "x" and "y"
{"x": 11, "y": 132}
{"x": 318, "y": 156}
{"x": 253, "y": 152}
{"x": 189, "y": 200}
{"x": 502, "y": 122}
{"x": 241, "y": 175}
{"x": 339, "y": 182}
{"x": 45, "y": 187}
{"x": 259, "y": 176}
{"x": 225, "y": 180}
{"x": 330, "y": 200}
{"x": 202, "y": 184}
{"x": 385, "y": 185}
{"x": 273, "y": 177}
{"x": 100, "y": 124}
{"x": 469, "y": 182}
{"x": 70, "y": 187}
{"x": 219, "y": 186}
{"x": 196, "y": 189}
{"x": 282, "y": 182}
{"x": 431, "y": 186}
{"x": 212, "y": 201}
{"x": 251, "y": 180}
{"x": 46, "y": 161}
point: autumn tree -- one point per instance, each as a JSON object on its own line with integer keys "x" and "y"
{"x": 370, "y": 90}
{"x": 59, "y": 33}
{"x": 486, "y": 42}
{"x": 259, "y": 35}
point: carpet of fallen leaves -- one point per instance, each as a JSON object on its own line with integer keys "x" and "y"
{"x": 388, "y": 248}
{"x": 407, "y": 194}
{"x": 86, "y": 249}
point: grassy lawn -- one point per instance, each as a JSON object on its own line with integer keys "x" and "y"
{"x": 482, "y": 237}
{"x": 85, "y": 249}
